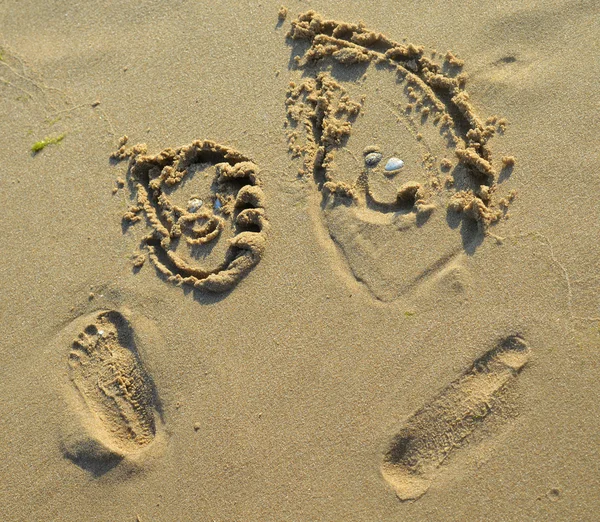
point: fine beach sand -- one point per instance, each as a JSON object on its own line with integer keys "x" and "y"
{"x": 237, "y": 314}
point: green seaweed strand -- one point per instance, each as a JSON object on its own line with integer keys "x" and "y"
{"x": 40, "y": 145}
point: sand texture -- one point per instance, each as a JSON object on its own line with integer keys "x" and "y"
{"x": 300, "y": 262}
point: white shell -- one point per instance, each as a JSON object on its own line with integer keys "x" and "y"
{"x": 194, "y": 204}
{"x": 394, "y": 164}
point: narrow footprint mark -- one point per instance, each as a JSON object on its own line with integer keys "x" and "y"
{"x": 431, "y": 434}
{"x": 106, "y": 369}
{"x": 205, "y": 210}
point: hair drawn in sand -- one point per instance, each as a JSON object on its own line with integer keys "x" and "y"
{"x": 122, "y": 405}
{"x": 445, "y": 424}
{"x": 415, "y": 109}
{"x": 224, "y": 223}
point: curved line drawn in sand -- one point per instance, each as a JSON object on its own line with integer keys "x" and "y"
{"x": 213, "y": 239}
{"x": 378, "y": 218}
{"x": 431, "y": 434}
{"x": 122, "y": 414}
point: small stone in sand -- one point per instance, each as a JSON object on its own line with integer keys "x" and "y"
{"x": 372, "y": 159}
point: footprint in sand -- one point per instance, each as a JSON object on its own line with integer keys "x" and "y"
{"x": 120, "y": 411}
{"x": 445, "y": 424}
{"x": 363, "y": 100}
{"x": 205, "y": 211}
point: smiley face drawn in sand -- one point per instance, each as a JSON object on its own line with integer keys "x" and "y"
{"x": 362, "y": 95}
{"x": 205, "y": 210}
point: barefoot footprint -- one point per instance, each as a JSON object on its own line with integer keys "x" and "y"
{"x": 399, "y": 205}
{"x": 443, "y": 425}
{"x": 106, "y": 369}
{"x": 205, "y": 210}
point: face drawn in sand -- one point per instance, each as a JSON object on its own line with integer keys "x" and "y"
{"x": 205, "y": 210}
{"x": 362, "y": 104}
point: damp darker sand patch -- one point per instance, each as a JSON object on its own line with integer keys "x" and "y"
{"x": 359, "y": 90}
{"x": 446, "y": 423}
{"x": 121, "y": 414}
{"x": 205, "y": 212}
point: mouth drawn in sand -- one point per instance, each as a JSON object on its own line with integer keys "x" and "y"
{"x": 399, "y": 205}
{"x": 205, "y": 210}
{"x": 447, "y": 422}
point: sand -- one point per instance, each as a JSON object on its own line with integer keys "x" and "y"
{"x": 233, "y": 315}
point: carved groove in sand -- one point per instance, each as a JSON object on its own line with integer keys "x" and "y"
{"x": 106, "y": 370}
{"x": 209, "y": 240}
{"x": 394, "y": 228}
{"x": 445, "y": 423}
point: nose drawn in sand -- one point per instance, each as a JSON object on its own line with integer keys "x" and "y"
{"x": 205, "y": 211}
{"x": 358, "y": 95}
